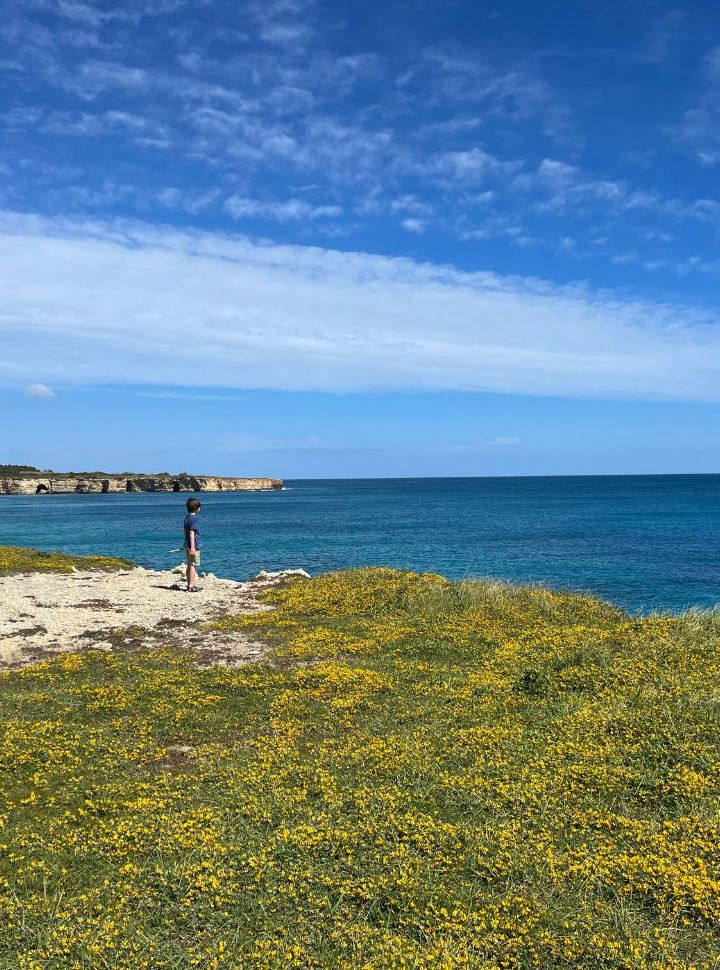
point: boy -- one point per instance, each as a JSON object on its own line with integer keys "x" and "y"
{"x": 191, "y": 527}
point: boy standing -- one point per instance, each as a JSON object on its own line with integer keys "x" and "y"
{"x": 191, "y": 527}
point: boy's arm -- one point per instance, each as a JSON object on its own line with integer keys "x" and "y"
{"x": 192, "y": 540}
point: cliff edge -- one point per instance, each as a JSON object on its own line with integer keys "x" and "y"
{"x": 46, "y": 483}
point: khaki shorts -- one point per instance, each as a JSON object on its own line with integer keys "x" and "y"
{"x": 193, "y": 558}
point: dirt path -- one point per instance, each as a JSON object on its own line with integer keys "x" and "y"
{"x": 46, "y": 613}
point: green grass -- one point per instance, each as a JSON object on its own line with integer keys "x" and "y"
{"x": 17, "y": 559}
{"x": 426, "y": 774}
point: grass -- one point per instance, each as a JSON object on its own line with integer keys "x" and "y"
{"x": 427, "y": 774}
{"x": 17, "y": 559}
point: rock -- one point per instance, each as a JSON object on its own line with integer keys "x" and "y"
{"x": 264, "y": 575}
{"x": 53, "y": 483}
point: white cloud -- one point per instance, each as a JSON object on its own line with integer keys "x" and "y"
{"x": 708, "y": 158}
{"x": 567, "y": 186}
{"x": 147, "y": 131}
{"x": 82, "y": 12}
{"x": 96, "y": 77}
{"x": 88, "y": 14}
{"x": 700, "y": 126}
{"x": 473, "y": 165}
{"x": 513, "y": 95}
{"x": 130, "y": 303}
{"x": 40, "y": 391}
{"x": 499, "y": 227}
{"x": 284, "y": 35}
{"x": 187, "y": 201}
{"x": 412, "y": 205}
{"x": 288, "y": 211}
{"x": 382, "y": 129}
{"x": 414, "y": 225}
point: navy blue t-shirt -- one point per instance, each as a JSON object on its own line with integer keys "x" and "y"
{"x": 192, "y": 524}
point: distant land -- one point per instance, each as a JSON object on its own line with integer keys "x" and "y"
{"x": 27, "y": 480}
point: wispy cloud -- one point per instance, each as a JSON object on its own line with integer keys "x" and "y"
{"x": 515, "y": 95}
{"x": 663, "y": 37}
{"x": 414, "y": 225}
{"x": 83, "y": 12}
{"x": 286, "y": 115}
{"x": 473, "y": 166}
{"x": 40, "y": 392}
{"x": 283, "y": 23}
{"x": 125, "y": 302}
{"x": 92, "y": 15}
{"x": 286, "y": 211}
{"x": 700, "y": 126}
{"x": 187, "y": 200}
{"x": 189, "y": 395}
{"x": 133, "y": 127}
{"x": 564, "y": 186}
{"x": 96, "y": 77}
{"x": 484, "y": 443}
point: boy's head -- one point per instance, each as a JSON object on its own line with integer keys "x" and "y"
{"x": 193, "y": 505}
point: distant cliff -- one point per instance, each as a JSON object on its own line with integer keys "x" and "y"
{"x": 41, "y": 483}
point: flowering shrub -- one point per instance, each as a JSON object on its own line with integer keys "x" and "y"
{"x": 425, "y": 775}
{"x": 16, "y": 559}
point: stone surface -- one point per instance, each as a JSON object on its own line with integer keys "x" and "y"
{"x": 42, "y": 614}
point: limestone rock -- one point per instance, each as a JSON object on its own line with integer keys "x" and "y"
{"x": 264, "y": 575}
{"x": 63, "y": 484}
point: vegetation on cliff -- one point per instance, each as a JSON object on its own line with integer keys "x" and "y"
{"x": 23, "y": 470}
{"x": 428, "y": 774}
{"x": 32, "y": 472}
{"x": 18, "y": 559}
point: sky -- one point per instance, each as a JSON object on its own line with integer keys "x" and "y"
{"x": 319, "y": 239}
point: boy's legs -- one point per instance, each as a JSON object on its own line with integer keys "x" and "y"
{"x": 190, "y": 572}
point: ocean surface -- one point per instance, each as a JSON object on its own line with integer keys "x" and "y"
{"x": 643, "y": 542}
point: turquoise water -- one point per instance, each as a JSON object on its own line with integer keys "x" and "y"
{"x": 643, "y": 542}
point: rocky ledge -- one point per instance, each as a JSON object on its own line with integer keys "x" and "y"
{"x": 63, "y": 484}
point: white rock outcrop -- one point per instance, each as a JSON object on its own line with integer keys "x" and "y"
{"x": 63, "y": 484}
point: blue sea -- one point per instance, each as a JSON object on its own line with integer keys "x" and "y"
{"x": 642, "y": 542}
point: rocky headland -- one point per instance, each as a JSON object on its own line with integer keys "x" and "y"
{"x": 38, "y": 482}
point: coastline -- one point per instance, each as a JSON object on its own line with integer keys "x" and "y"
{"x": 58, "y": 483}
{"x": 638, "y": 542}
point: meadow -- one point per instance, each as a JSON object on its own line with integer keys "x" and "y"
{"x": 423, "y": 774}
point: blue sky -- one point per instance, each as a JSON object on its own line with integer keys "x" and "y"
{"x": 312, "y": 238}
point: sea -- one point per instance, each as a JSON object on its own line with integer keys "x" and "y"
{"x": 647, "y": 543}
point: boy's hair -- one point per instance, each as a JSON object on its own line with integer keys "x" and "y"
{"x": 193, "y": 504}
